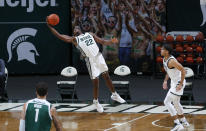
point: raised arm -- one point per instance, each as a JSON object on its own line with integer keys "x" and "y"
{"x": 132, "y": 31}
{"x": 56, "y": 122}
{"x": 65, "y": 38}
{"x": 103, "y": 41}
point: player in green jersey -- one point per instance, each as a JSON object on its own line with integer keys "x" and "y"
{"x": 38, "y": 114}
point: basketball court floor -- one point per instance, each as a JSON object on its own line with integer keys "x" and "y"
{"x": 124, "y": 117}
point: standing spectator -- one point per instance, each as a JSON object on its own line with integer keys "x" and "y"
{"x": 125, "y": 39}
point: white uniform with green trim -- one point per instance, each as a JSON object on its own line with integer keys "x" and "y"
{"x": 94, "y": 60}
{"x": 175, "y": 76}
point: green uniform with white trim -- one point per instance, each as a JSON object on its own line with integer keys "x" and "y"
{"x": 38, "y": 117}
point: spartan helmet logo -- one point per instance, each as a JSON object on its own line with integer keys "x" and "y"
{"x": 122, "y": 69}
{"x": 25, "y": 50}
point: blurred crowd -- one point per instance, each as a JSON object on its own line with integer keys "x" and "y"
{"x": 136, "y": 23}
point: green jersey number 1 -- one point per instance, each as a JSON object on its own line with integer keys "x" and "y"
{"x": 37, "y": 114}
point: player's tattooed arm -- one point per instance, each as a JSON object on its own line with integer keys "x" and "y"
{"x": 103, "y": 41}
{"x": 65, "y": 38}
{"x": 57, "y": 124}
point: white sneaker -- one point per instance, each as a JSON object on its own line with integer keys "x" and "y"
{"x": 185, "y": 123}
{"x": 117, "y": 98}
{"x": 98, "y": 106}
{"x": 177, "y": 127}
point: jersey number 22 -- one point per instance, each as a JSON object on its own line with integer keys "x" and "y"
{"x": 89, "y": 42}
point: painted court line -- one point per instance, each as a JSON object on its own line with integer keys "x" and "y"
{"x": 154, "y": 124}
{"x": 127, "y": 122}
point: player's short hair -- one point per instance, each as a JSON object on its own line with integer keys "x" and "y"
{"x": 77, "y": 27}
{"x": 168, "y": 47}
{"x": 42, "y": 88}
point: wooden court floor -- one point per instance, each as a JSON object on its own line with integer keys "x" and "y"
{"x": 74, "y": 121}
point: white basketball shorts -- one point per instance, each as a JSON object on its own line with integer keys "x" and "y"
{"x": 96, "y": 65}
{"x": 173, "y": 86}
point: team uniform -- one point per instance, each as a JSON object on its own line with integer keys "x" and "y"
{"x": 37, "y": 115}
{"x": 94, "y": 60}
{"x": 175, "y": 76}
{"x": 172, "y": 100}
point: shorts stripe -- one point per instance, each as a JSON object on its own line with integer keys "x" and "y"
{"x": 89, "y": 67}
{"x": 175, "y": 94}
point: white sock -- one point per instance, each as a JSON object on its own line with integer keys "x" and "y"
{"x": 176, "y": 121}
{"x": 183, "y": 119}
{"x": 114, "y": 93}
{"x": 95, "y": 101}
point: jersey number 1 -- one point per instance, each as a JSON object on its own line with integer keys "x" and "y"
{"x": 89, "y": 42}
{"x": 37, "y": 114}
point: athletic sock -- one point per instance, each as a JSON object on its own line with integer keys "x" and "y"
{"x": 176, "y": 121}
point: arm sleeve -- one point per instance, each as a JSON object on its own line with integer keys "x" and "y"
{"x": 22, "y": 125}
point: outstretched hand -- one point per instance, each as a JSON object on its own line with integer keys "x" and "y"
{"x": 47, "y": 21}
{"x": 114, "y": 40}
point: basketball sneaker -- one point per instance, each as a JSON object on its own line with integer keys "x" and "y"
{"x": 185, "y": 123}
{"x": 177, "y": 127}
{"x": 98, "y": 106}
{"x": 115, "y": 96}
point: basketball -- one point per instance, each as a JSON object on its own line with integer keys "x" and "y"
{"x": 189, "y": 60}
{"x": 194, "y": 46}
{"x": 169, "y": 38}
{"x": 53, "y": 19}
{"x": 159, "y": 59}
{"x": 158, "y": 49}
{"x": 179, "y": 38}
{"x": 180, "y": 59}
{"x": 190, "y": 55}
{"x": 189, "y": 49}
{"x": 189, "y": 38}
{"x": 179, "y": 49}
{"x": 183, "y": 56}
{"x": 185, "y": 46}
{"x": 199, "y": 37}
{"x": 160, "y": 38}
{"x": 178, "y": 45}
{"x": 199, "y": 59}
{"x": 199, "y": 49}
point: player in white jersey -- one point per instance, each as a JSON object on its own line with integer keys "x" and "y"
{"x": 176, "y": 73}
{"x": 86, "y": 43}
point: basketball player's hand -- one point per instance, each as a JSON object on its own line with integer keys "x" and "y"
{"x": 47, "y": 21}
{"x": 179, "y": 87}
{"x": 164, "y": 85}
{"x": 114, "y": 40}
